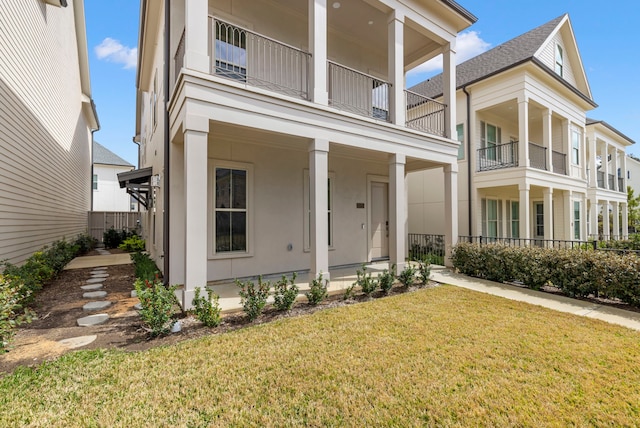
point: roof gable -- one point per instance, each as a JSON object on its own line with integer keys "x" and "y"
{"x": 104, "y": 156}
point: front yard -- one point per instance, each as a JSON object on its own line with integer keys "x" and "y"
{"x": 441, "y": 356}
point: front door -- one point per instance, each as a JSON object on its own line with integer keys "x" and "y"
{"x": 379, "y": 226}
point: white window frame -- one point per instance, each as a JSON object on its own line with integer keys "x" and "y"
{"x": 486, "y": 144}
{"x": 94, "y": 182}
{"x": 577, "y": 220}
{"x": 559, "y": 60}
{"x": 514, "y": 219}
{"x": 486, "y": 220}
{"x": 575, "y": 146}
{"x": 306, "y": 209}
{"x": 154, "y": 102}
{"x": 460, "y": 135}
{"x": 213, "y": 165}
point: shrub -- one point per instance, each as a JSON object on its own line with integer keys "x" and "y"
{"x": 366, "y": 282}
{"x": 252, "y": 298}
{"x": 318, "y": 290}
{"x": 85, "y": 243}
{"x": 408, "y": 275}
{"x": 132, "y": 243}
{"x": 145, "y": 267}
{"x": 113, "y": 238}
{"x": 387, "y": 278}
{"x": 424, "y": 270}
{"x": 207, "y": 309}
{"x": 12, "y": 311}
{"x": 158, "y": 305}
{"x": 285, "y": 293}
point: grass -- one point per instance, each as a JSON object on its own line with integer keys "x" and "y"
{"x": 444, "y": 357}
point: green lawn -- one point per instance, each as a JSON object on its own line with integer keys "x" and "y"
{"x": 444, "y": 356}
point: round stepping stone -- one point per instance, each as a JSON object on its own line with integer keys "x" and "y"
{"x": 78, "y": 342}
{"x": 94, "y": 306}
{"x": 91, "y": 287}
{"x": 138, "y": 306}
{"x": 134, "y": 293}
{"x": 94, "y": 280}
{"x": 92, "y": 320}
{"x": 94, "y": 294}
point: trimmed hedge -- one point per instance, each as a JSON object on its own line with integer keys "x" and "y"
{"x": 576, "y": 272}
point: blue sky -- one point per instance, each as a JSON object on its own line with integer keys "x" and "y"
{"x": 607, "y": 37}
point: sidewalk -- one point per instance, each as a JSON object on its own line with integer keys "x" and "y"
{"x": 98, "y": 261}
{"x": 552, "y": 301}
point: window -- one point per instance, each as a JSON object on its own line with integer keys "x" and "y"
{"x": 539, "y": 213}
{"x": 576, "y": 220}
{"x": 231, "y": 51}
{"x": 307, "y": 210}
{"x": 490, "y": 139}
{"x": 575, "y": 147}
{"x": 514, "y": 217}
{"x": 231, "y": 187}
{"x": 154, "y": 101}
{"x": 460, "y": 132}
{"x": 95, "y": 181}
{"x": 559, "y": 60}
{"x": 491, "y": 218}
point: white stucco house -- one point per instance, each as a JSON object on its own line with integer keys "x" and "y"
{"x": 529, "y": 162}
{"x": 107, "y": 194}
{"x": 47, "y": 117}
{"x": 289, "y": 132}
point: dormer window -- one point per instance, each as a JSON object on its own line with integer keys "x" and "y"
{"x": 559, "y": 60}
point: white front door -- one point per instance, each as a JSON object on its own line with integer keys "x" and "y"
{"x": 379, "y": 227}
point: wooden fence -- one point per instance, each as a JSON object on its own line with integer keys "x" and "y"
{"x": 101, "y": 221}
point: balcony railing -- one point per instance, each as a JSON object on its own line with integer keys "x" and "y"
{"x": 621, "y": 186}
{"x": 600, "y": 175}
{"x": 612, "y": 182}
{"x": 242, "y": 55}
{"x": 559, "y": 162}
{"x": 498, "y": 156}
{"x": 424, "y": 114}
{"x": 179, "y": 58}
{"x": 537, "y": 156}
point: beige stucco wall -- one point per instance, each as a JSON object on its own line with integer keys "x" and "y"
{"x": 45, "y": 158}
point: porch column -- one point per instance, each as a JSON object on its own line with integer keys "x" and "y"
{"x": 397, "y": 211}
{"x": 583, "y": 153}
{"x": 196, "y": 53}
{"x": 525, "y": 221}
{"x": 450, "y": 210}
{"x": 449, "y": 88}
{"x": 593, "y": 219}
{"x": 568, "y": 215}
{"x": 606, "y": 231}
{"x": 177, "y": 218}
{"x": 616, "y": 221}
{"x": 523, "y": 132}
{"x": 625, "y": 221}
{"x": 548, "y": 212}
{"x": 547, "y": 137}
{"x": 396, "y": 67}
{"x": 623, "y": 173}
{"x": 583, "y": 217}
{"x": 614, "y": 169}
{"x": 319, "y": 201}
{"x": 605, "y": 165}
{"x": 566, "y": 131}
{"x": 593, "y": 167}
{"x": 195, "y": 199}
{"x": 318, "y": 50}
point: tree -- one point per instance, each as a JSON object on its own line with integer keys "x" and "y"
{"x": 633, "y": 209}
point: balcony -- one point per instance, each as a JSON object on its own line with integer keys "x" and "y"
{"x": 424, "y": 114}
{"x": 612, "y": 182}
{"x": 621, "y": 186}
{"x": 537, "y": 156}
{"x": 498, "y": 156}
{"x": 600, "y": 179}
{"x": 559, "y": 162}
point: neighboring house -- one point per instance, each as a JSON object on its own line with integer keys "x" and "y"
{"x": 633, "y": 174}
{"x": 289, "y": 132}
{"x": 46, "y": 121}
{"x": 107, "y": 194}
{"x": 527, "y": 162}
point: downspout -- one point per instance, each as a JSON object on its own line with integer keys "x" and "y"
{"x": 469, "y": 204}
{"x": 165, "y": 234}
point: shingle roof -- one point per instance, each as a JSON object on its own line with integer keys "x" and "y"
{"x": 590, "y": 121}
{"x": 500, "y": 58}
{"x": 104, "y": 156}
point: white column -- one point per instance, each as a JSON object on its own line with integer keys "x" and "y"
{"x": 583, "y": 217}
{"x": 318, "y": 49}
{"x": 523, "y": 132}
{"x": 319, "y": 200}
{"x": 548, "y": 212}
{"x": 525, "y": 220}
{"x": 177, "y": 217}
{"x": 593, "y": 167}
{"x": 566, "y": 131}
{"x": 547, "y": 137}
{"x": 593, "y": 218}
{"x": 450, "y": 209}
{"x": 616, "y": 221}
{"x": 623, "y": 173}
{"x": 196, "y": 56}
{"x": 606, "y": 230}
{"x": 605, "y": 164}
{"x": 396, "y": 67}
{"x": 614, "y": 168}
{"x": 506, "y": 223}
{"x": 397, "y": 210}
{"x": 195, "y": 224}
{"x": 568, "y": 215}
{"x": 583, "y": 153}
{"x": 449, "y": 88}
{"x": 625, "y": 220}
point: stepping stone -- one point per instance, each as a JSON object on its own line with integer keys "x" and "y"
{"x": 134, "y": 293}
{"x": 100, "y": 275}
{"x": 94, "y": 280}
{"x": 94, "y": 294}
{"x": 99, "y": 269}
{"x": 78, "y": 342}
{"x": 92, "y": 320}
{"x": 138, "y": 306}
{"x": 91, "y": 287}
{"x": 94, "y": 306}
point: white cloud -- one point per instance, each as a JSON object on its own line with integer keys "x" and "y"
{"x": 113, "y": 51}
{"x": 468, "y": 45}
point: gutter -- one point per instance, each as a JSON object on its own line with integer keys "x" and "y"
{"x": 469, "y": 204}
{"x": 166, "y": 205}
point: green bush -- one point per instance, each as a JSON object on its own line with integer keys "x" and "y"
{"x": 408, "y": 275}
{"x": 112, "y": 238}
{"x": 207, "y": 309}
{"x": 12, "y": 311}
{"x": 252, "y": 298}
{"x": 285, "y": 293}
{"x": 144, "y": 266}
{"x": 85, "y": 243}
{"x": 366, "y": 282}
{"x": 132, "y": 243}
{"x": 387, "y": 278}
{"x": 159, "y": 304}
{"x": 318, "y": 290}
{"x": 424, "y": 270}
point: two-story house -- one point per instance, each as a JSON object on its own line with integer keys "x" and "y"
{"x": 107, "y": 194}
{"x": 527, "y": 147}
{"x": 46, "y": 121}
{"x": 289, "y": 132}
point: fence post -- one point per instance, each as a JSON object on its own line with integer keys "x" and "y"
{"x": 595, "y": 244}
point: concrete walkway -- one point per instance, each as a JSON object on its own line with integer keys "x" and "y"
{"x": 552, "y": 301}
{"x": 97, "y": 261}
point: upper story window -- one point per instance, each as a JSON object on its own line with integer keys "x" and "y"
{"x": 231, "y": 51}
{"x": 154, "y": 102}
{"x": 490, "y": 139}
{"x": 95, "y": 181}
{"x": 575, "y": 147}
{"x": 559, "y": 60}
{"x": 460, "y": 133}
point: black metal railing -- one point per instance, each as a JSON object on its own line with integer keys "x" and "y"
{"x": 612, "y": 182}
{"x": 537, "y": 156}
{"x": 498, "y": 156}
{"x": 559, "y": 162}
{"x": 530, "y": 242}
{"x": 424, "y": 114}
{"x": 424, "y": 245}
